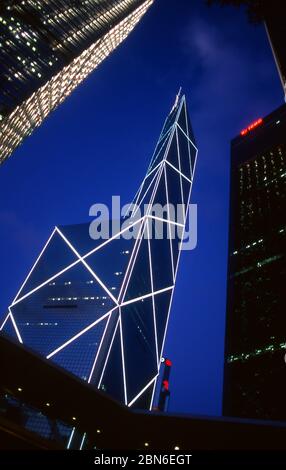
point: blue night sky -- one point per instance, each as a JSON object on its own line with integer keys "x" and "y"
{"x": 100, "y": 141}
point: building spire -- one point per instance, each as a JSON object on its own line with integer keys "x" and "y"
{"x": 177, "y": 99}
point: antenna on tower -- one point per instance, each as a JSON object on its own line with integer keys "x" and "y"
{"x": 177, "y": 99}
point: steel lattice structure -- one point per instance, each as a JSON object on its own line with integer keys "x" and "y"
{"x": 100, "y": 309}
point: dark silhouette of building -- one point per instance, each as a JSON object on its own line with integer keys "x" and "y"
{"x": 47, "y": 49}
{"x": 255, "y": 368}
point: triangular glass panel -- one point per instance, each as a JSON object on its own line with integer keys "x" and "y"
{"x": 186, "y": 190}
{"x": 176, "y": 245}
{"x": 144, "y": 401}
{"x": 184, "y": 154}
{"x": 190, "y": 129}
{"x": 159, "y": 152}
{"x": 112, "y": 381}
{"x": 147, "y": 190}
{"x": 174, "y": 194}
{"x": 78, "y": 356}
{"x": 139, "y": 345}
{"x": 161, "y": 260}
{"x": 110, "y": 262}
{"x": 173, "y": 154}
{"x": 169, "y": 121}
{"x": 162, "y": 306}
{"x": 59, "y": 310}
{"x": 193, "y": 153}
{"x": 159, "y": 204}
{"x": 182, "y": 119}
{"x": 140, "y": 280}
{"x": 54, "y": 259}
{"x": 79, "y": 236}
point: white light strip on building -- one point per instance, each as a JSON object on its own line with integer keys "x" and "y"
{"x": 147, "y": 296}
{"x": 99, "y": 349}
{"x": 169, "y": 229}
{"x": 142, "y": 391}
{"x": 79, "y": 334}
{"x": 88, "y": 268}
{"x": 34, "y": 265}
{"x": 71, "y": 265}
{"x": 108, "y": 354}
{"x": 123, "y": 360}
{"x": 178, "y": 171}
{"x": 152, "y": 288}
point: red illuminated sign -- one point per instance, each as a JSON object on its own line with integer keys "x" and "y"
{"x": 166, "y": 384}
{"x": 252, "y": 126}
{"x": 168, "y": 362}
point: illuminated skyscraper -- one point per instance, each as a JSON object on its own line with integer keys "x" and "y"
{"x": 47, "y": 49}
{"x": 100, "y": 308}
{"x": 256, "y": 336}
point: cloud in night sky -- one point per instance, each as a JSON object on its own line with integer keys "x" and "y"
{"x": 223, "y": 67}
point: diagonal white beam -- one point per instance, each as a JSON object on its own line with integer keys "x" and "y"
{"x": 70, "y": 439}
{"x": 167, "y": 221}
{"x": 123, "y": 359}
{"x": 44, "y": 283}
{"x": 178, "y": 171}
{"x": 176, "y": 273}
{"x": 108, "y": 354}
{"x": 180, "y": 168}
{"x": 74, "y": 263}
{"x": 99, "y": 349}
{"x": 82, "y": 442}
{"x": 137, "y": 299}
{"x": 141, "y": 200}
{"x": 153, "y": 393}
{"x": 131, "y": 263}
{"x": 34, "y": 265}
{"x": 156, "y": 168}
{"x": 162, "y": 138}
{"x": 139, "y": 192}
{"x": 10, "y": 315}
{"x": 150, "y": 204}
{"x": 5, "y": 320}
{"x": 166, "y": 328}
{"x": 88, "y": 267}
{"x": 106, "y": 242}
{"x": 16, "y": 328}
{"x": 80, "y": 333}
{"x": 187, "y": 137}
{"x": 169, "y": 228}
{"x": 142, "y": 391}
{"x": 152, "y": 287}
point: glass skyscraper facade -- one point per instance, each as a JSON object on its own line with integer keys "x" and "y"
{"x": 255, "y": 368}
{"x": 47, "y": 49}
{"x": 100, "y": 308}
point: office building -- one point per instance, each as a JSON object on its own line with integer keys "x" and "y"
{"x": 255, "y": 366}
{"x": 100, "y": 308}
{"x": 47, "y": 49}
